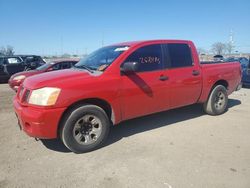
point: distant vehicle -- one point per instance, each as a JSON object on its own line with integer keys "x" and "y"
{"x": 16, "y": 79}
{"x": 117, "y": 83}
{"x": 245, "y": 67}
{"x": 32, "y": 61}
{"x": 10, "y": 65}
{"x": 218, "y": 58}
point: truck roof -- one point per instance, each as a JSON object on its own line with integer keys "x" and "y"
{"x": 135, "y": 43}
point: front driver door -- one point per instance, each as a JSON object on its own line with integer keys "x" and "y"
{"x": 145, "y": 91}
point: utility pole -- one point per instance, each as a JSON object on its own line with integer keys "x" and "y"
{"x": 231, "y": 37}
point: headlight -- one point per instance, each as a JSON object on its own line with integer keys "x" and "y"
{"x": 46, "y": 96}
{"x": 20, "y": 77}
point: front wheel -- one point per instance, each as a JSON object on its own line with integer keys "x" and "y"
{"x": 85, "y": 128}
{"x": 217, "y": 101}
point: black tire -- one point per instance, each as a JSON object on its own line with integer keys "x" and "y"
{"x": 217, "y": 101}
{"x": 77, "y": 123}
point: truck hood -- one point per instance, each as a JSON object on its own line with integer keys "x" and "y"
{"x": 56, "y": 78}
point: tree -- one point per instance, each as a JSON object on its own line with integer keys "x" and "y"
{"x": 218, "y": 48}
{"x": 201, "y": 50}
{"x": 2, "y": 51}
{"x": 66, "y": 55}
{"x": 229, "y": 48}
{"x": 9, "y": 50}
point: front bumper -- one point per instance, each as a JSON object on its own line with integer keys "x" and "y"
{"x": 38, "y": 122}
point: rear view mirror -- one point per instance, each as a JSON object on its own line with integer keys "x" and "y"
{"x": 129, "y": 67}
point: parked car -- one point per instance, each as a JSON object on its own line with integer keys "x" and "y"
{"x": 245, "y": 66}
{"x": 10, "y": 65}
{"x": 16, "y": 79}
{"x": 218, "y": 58}
{"x": 32, "y": 61}
{"x": 117, "y": 83}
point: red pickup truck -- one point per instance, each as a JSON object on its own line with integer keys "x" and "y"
{"x": 117, "y": 83}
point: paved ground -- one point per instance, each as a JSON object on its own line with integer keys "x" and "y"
{"x": 179, "y": 148}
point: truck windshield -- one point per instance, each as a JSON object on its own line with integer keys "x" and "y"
{"x": 100, "y": 59}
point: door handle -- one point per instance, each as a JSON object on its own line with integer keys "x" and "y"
{"x": 163, "y": 78}
{"x": 196, "y": 72}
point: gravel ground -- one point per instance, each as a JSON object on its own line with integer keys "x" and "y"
{"x": 174, "y": 149}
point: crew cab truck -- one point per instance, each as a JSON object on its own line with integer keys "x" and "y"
{"x": 117, "y": 83}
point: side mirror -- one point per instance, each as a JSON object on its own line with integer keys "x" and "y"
{"x": 130, "y": 67}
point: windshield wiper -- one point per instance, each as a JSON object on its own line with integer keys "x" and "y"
{"x": 85, "y": 67}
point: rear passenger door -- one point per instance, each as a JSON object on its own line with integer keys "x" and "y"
{"x": 185, "y": 80}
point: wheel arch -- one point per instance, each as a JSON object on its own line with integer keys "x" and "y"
{"x": 209, "y": 88}
{"x": 92, "y": 101}
{"x": 218, "y": 82}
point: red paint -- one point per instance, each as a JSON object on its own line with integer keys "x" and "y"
{"x": 14, "y": 84}
{"x": 129, "y": 96}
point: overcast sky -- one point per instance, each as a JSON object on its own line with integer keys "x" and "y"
{"x": 62, "y": 26}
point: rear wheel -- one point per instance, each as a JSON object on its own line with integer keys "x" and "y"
{"x": 85, "y": 128}
{"x": 217, "y": 101}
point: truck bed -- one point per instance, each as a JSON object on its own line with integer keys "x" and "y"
{"x": 227, "y": 71}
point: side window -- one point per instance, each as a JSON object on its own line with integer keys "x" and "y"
{"x": 148, "y": 57}
{"x": 179, "y": 55}
{"x": 65, "y": 65}
{"x": 13, "y": 60}
{"x": 73, "y": 63}
{"x": 56, "y": 66}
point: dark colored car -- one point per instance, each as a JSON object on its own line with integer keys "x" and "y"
{"x": 18, "y": 78}
{"x": 32, "y": 61}
{"x": 245, "y": 66}
{"x": 10, "y": 65}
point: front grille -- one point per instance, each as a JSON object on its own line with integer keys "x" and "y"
{"x": 26, "y": 96}
{"x": 20, "y": 94}
{"x": 23, "y": 95}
